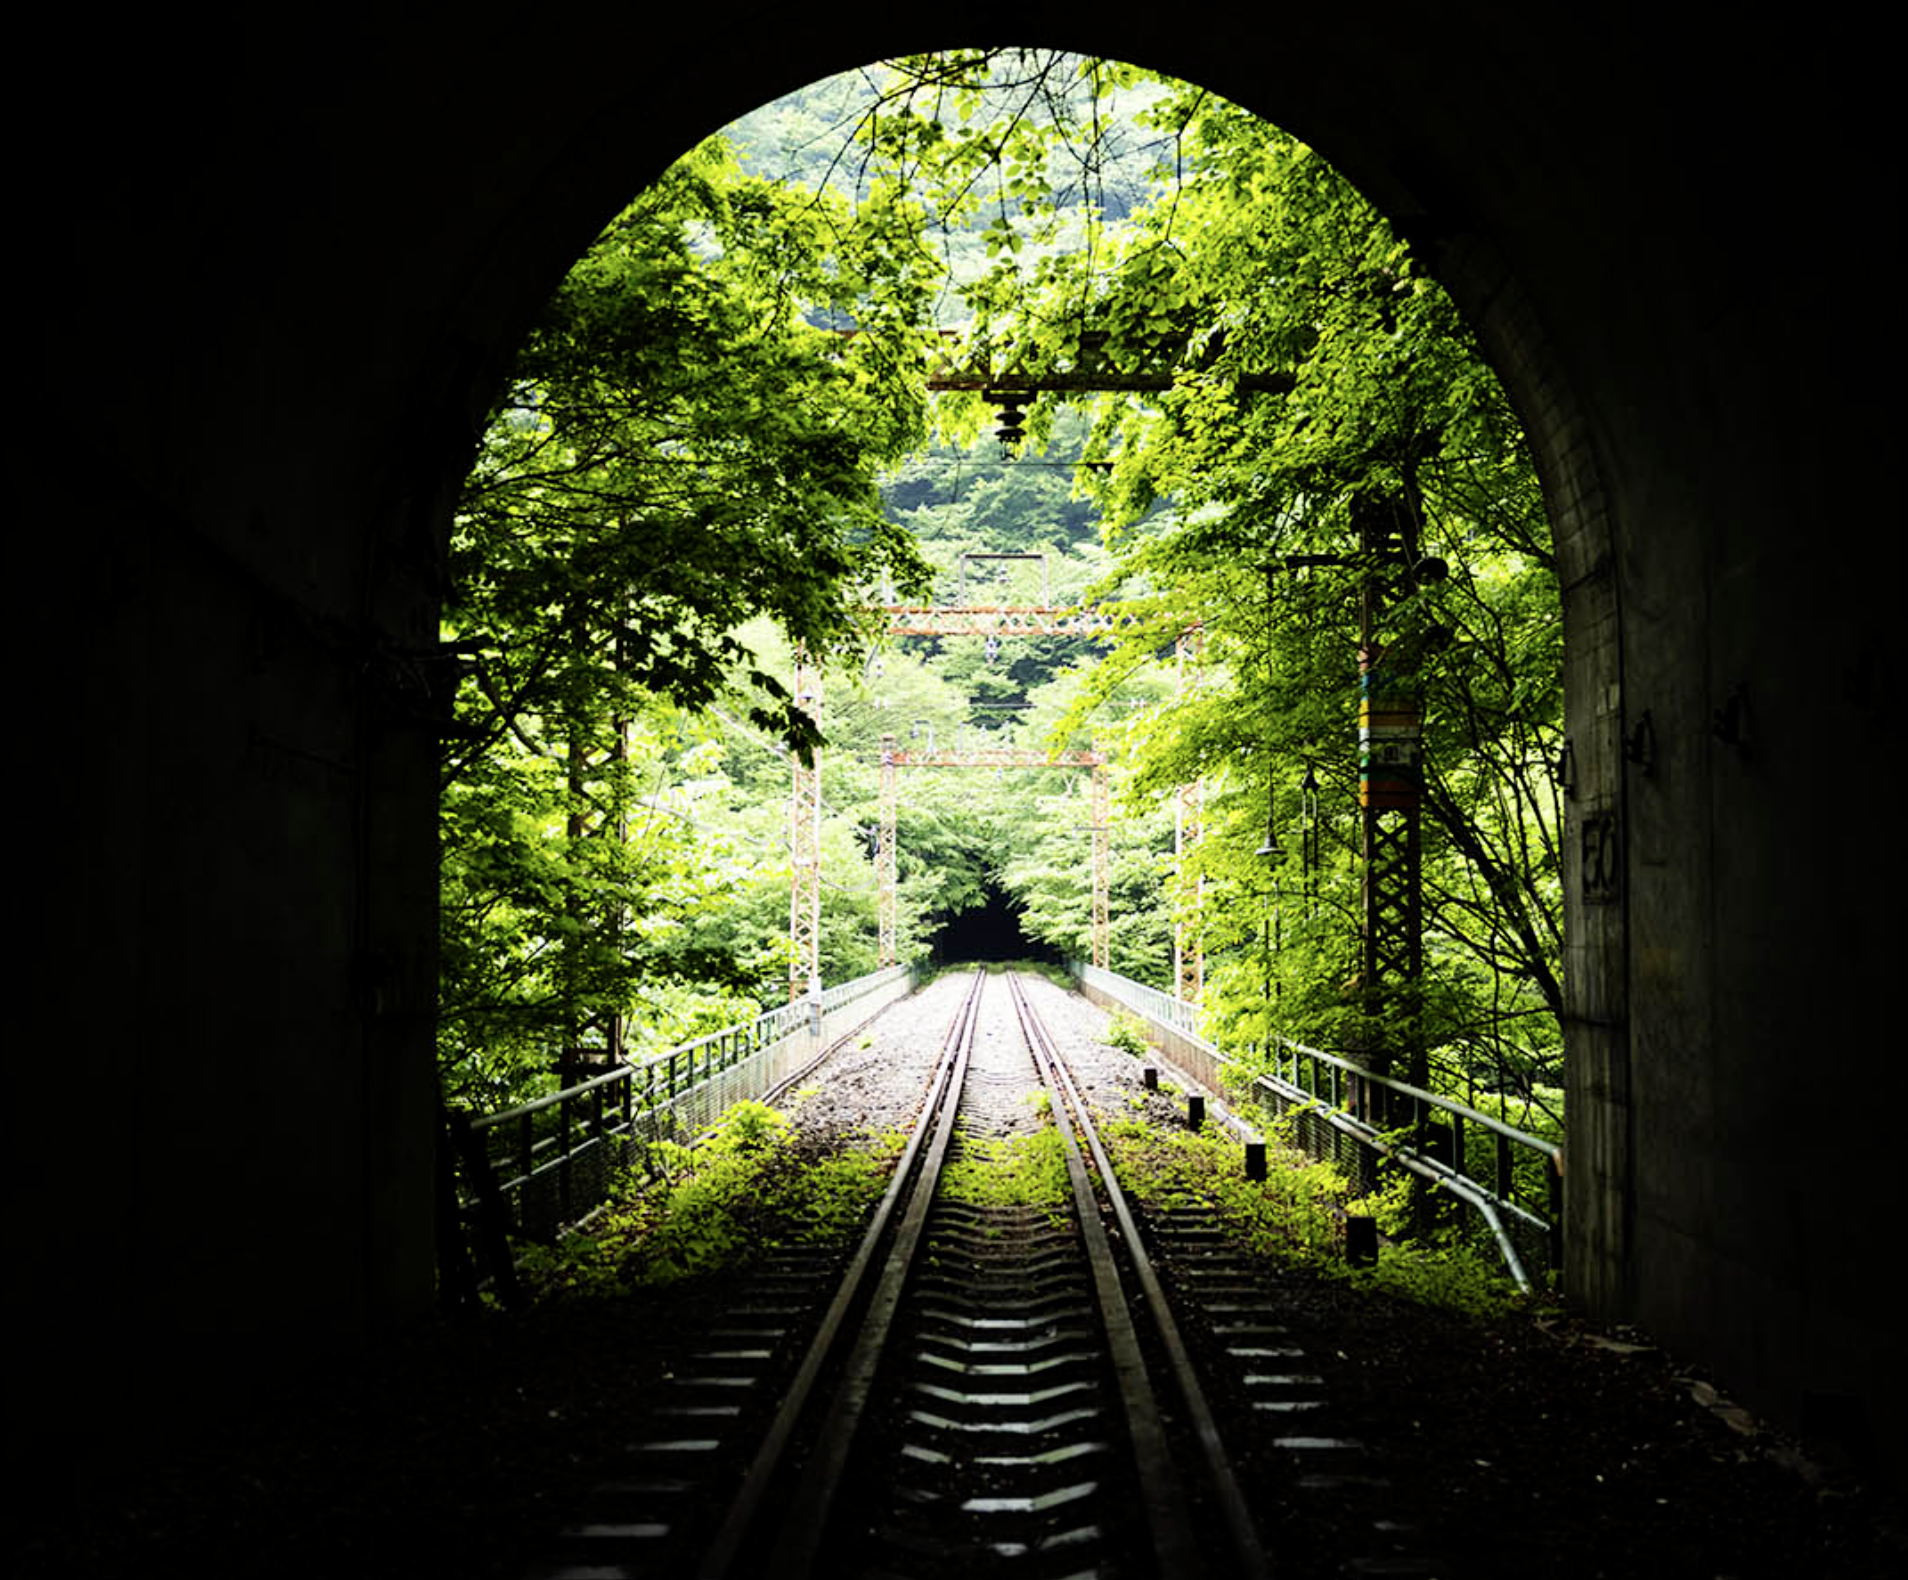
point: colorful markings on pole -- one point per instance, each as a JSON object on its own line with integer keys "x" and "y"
{"x": 1390, "y": 743}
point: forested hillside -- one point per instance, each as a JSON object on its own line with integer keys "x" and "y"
{"x": 699, "y": 466}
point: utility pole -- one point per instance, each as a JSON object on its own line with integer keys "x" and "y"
{"x": 885, "y": 856}
{"x": 1189, "y": 949}
{"x": 804, "y": 845}
{"x": 1102, "y": 864}
{"x": 1390, "y": 787}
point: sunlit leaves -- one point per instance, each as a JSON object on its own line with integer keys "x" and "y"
{"x": 1312, "y": 373}
{"x": 689, "y": 439}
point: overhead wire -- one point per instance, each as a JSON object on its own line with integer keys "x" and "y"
{"x": 788, "y": 848}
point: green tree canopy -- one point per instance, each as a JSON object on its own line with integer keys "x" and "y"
{"x": 1309, "y": 378}
{"x": 690, "y": 439}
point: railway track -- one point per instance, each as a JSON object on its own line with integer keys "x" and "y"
{"x": 992, "y": 1385}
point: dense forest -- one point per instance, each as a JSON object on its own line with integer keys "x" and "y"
{"x": 719, "y": 445}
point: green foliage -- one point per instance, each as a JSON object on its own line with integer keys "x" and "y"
{"x": 679, "y": 484}
{"x": 1021, "y": 1169}
{"x": 685, "y": 443}
{"x": 1281, "y": 267}
{"x": 1292, "y": 1217}
{"x": 1389, "y": 1205}
{"x": 1321, "y": 393}
{"x": 742, "y": 1189}
{"x": 1296, "y": 1215}
{"x": 1445, "y": 1273}
{"x": 547, "y": 924}
{"x": 751, "y": 1126}
{"x": 680, "y": 449}
{"x": 1127, "y": 1032}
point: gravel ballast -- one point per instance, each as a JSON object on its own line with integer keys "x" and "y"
{"x": 1547, "y": 1446}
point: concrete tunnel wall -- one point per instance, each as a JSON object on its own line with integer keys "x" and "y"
{"x": 267, "y": 311}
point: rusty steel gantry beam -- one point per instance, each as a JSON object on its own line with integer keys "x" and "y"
{"x": 998, "y": 757}
{"x": 1008, "y": 388}
{"x": 1002, "y": 620}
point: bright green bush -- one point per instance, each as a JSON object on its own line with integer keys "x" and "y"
{"x": 1127, "y": 1032}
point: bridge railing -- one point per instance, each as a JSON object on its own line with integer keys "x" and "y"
{"x": 1148, "y": 1001}
{"x": 1356, "y": 1117}
{"x": 552, "y": 1160}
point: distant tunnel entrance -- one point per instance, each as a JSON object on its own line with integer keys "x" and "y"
{"x": 990, "y": 931}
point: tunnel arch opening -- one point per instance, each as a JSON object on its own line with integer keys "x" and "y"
{"x": 278, "y": 448}
{"x": 1567, "y": 470}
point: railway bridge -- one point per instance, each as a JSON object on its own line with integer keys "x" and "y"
{"x": 273, "y": 278}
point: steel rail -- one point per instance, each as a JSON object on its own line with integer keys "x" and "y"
{"x": 807, "y": 1522}
{"x": 1168, "y": 1518}
{"x": 778, "y": 1521}
{"x": 1251, "y": 1561}
{"x": 807, "y": 1516}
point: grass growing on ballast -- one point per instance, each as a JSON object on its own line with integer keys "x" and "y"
{"x": 1296, "y": 1215}
{"x": 1024, "y": 1169}
{"x": 740, "y": 1189}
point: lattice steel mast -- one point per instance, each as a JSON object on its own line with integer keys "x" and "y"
{"x": 1102, "y": 864}
{"x": 885, "y": 869}
{"x": 1390, "y": 783}
{"x": 1189, "y": 950}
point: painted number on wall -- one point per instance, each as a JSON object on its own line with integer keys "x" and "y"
{"x": 1602, "y": 868}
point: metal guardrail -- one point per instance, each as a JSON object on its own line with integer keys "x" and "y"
{"x": 1355, "y": 1117}
{"x": 553, "y": 1159}
{"x": 1137, "y": 996}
